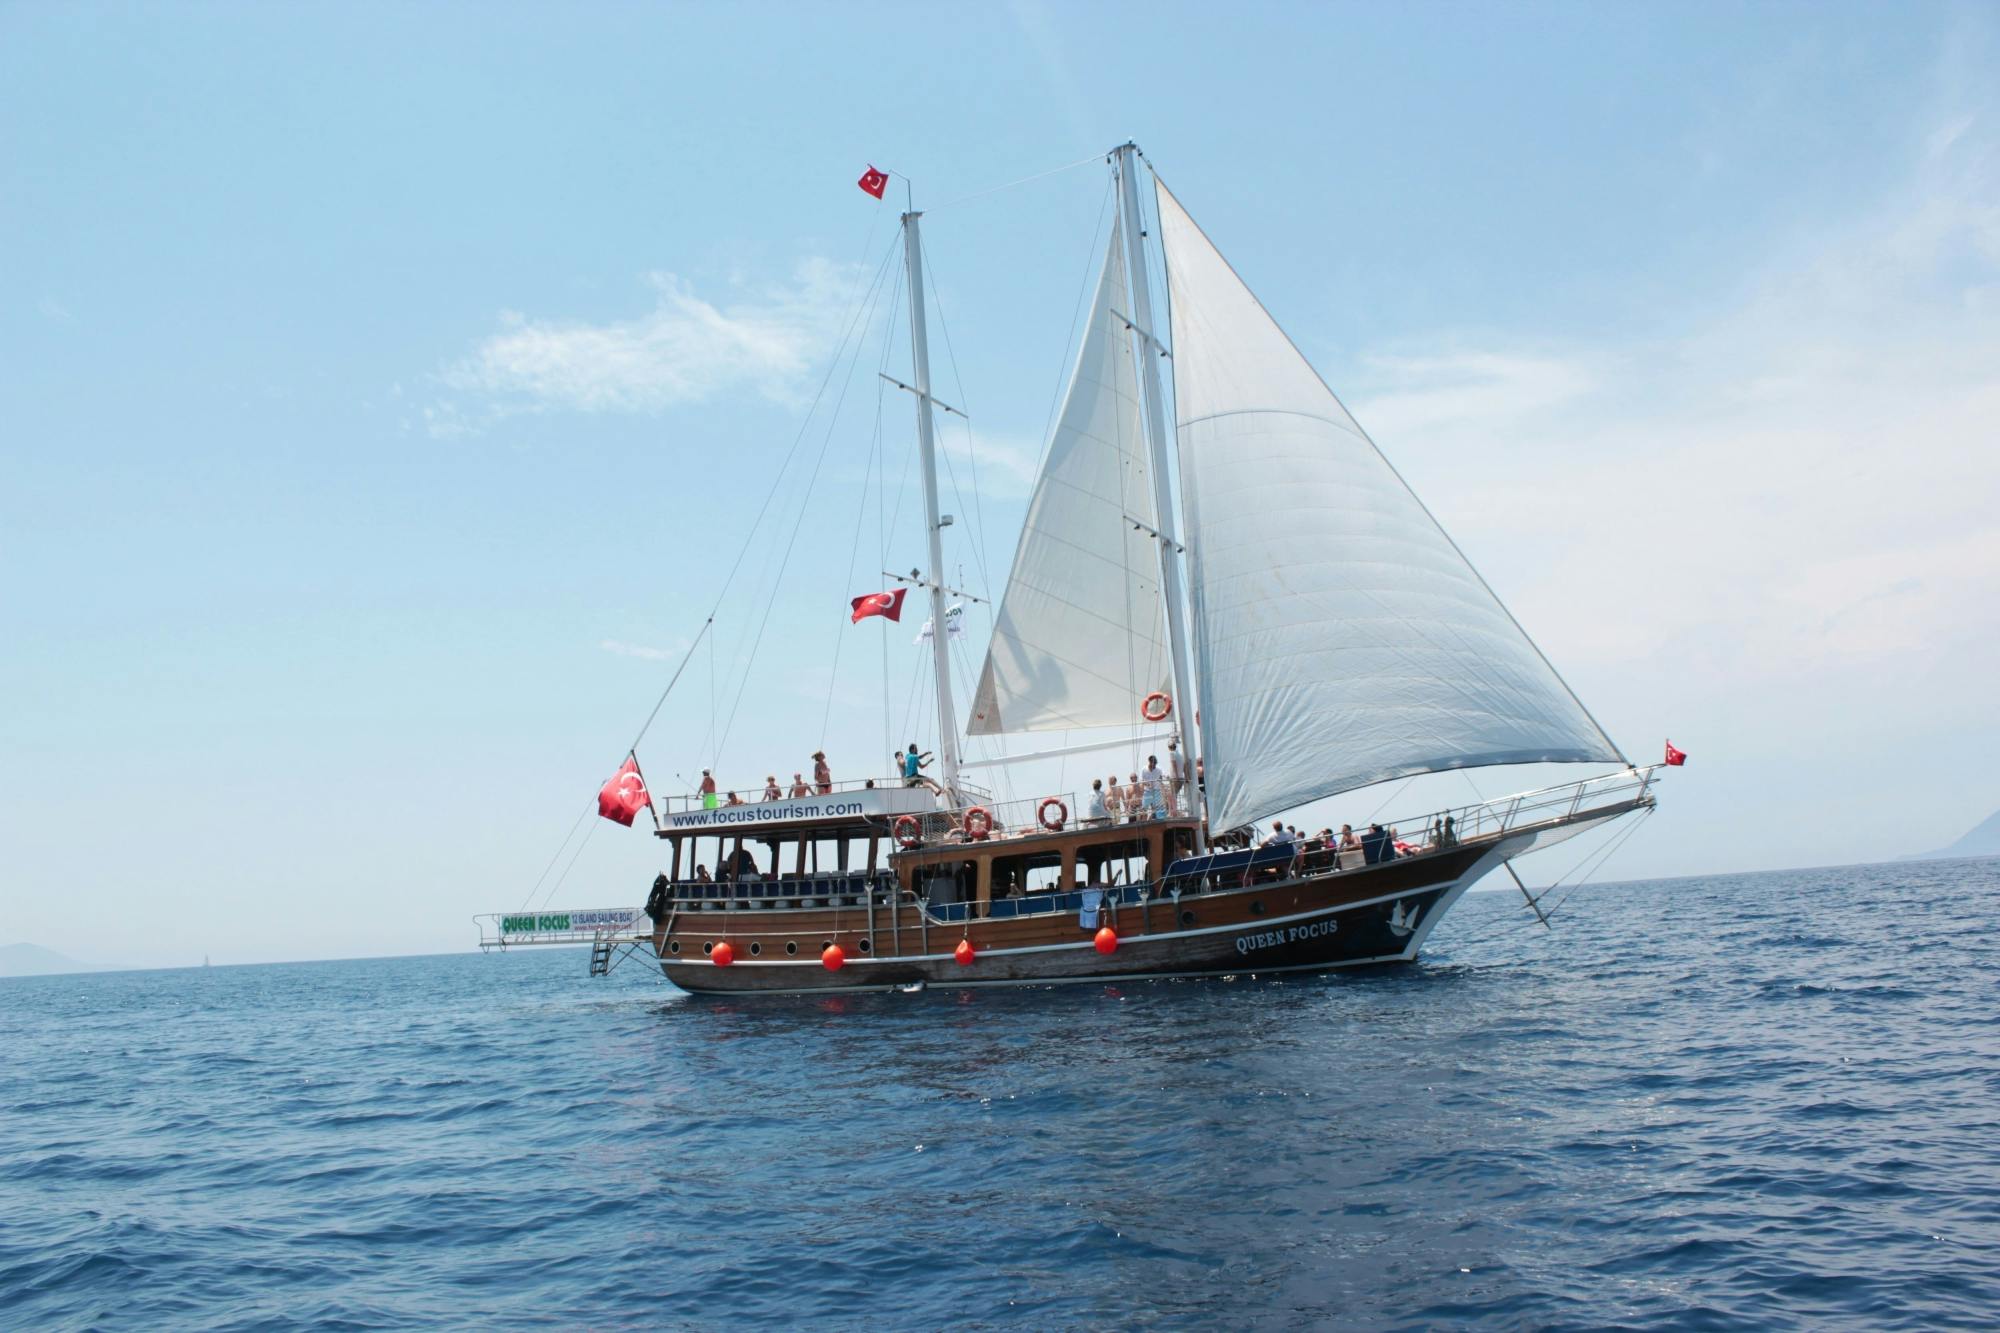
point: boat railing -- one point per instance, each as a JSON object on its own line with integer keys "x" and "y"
{"x": 1051, "y": 813}
{"x": 1509, "y": 814}
{"x": 676, "y": 803}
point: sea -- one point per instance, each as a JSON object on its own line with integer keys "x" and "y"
{"x": 1764, "y": 1101}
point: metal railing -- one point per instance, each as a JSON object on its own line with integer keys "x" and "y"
{"x": 754, "y": 795}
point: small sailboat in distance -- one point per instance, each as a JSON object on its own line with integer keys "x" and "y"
{"x": 1314, "y": 631}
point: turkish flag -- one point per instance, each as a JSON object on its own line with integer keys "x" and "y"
{"x": 1675, "y": 757}
{"x": 888, "y": 604}
{"x": 874, "y": 181}
{"x": 625, "y": 795}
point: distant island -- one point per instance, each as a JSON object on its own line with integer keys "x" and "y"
{"x": 32, "y": 960}
{"x": 1981, "y": 841}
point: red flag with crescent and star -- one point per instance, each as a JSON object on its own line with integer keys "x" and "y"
{"x": 1675, "y": 757}
{"x": 874, "y": 181}
{"x": 889, "y": 604}
{"x": 622, "y": 798}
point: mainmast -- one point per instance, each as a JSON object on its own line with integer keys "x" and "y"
{"x": 1139, "y": 278}
{"x": 913, "y": 254}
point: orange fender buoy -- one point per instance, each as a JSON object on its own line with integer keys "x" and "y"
{"x": 834, "y": 958}
{"x": 965, "y": 953}
{"x": 1107, "y": 940}
{"x": 723, "y": 955}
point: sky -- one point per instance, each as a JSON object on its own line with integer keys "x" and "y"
{"x": 387, "y": 393}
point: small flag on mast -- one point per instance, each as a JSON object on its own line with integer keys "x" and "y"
{"x": 622, "y": 798}
{"x": 886, "y": 604}
{"x": 1675, "y": 757}
{"x": 874, "y": 181}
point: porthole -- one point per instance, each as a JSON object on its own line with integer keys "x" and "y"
{"x": 863, "y": 946}
{"x": 824, "y": 945}
{"x": 673, "y": 946}
{"x": 708, "y": 946}
{"x": 1257, "y": 908}
{"x": 1187, "y": 918}
{"x": 791, "y": 946}
{"x": 756, "y": 949}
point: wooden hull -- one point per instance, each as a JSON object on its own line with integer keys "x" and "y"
{"x": 1377, "y": 914}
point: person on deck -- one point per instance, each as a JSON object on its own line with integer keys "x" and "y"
{"x": 1096, "y": 814}
{"x": 1152, "y": 785}
{"x": 771, "y": 792}
{"x": 822, "y": 775}
{"x": 1348, "y": 842}
{"x": 734, "y": 799}
{"x": 1280, "y": 835}
{"x": 913, "y": 766}
{"x": 1114, "y": 799}
{"x": 1176, "y": 777}
{"x": 1135, "y": 800}
{"x": 799, "y": 787}
{"x": 707, "y": 790}
{"x": 701, "y": 875}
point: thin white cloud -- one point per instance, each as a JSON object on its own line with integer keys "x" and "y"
{"x": 1802, "y": 484}
{"x": 685, "y": 349}
{"x": 620, "y": 648}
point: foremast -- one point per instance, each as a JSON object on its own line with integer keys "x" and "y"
{"x": 1140, "y": 284}
{"x": 913, "y": 255}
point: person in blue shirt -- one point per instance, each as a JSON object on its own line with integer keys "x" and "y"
{"x": 913, "y": 765}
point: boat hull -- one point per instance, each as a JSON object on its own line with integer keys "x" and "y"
{"x": 1380, "y": 914}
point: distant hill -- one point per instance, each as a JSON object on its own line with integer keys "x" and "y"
{"x": 1982, "y": 841}
{"x": 32, "y": 960}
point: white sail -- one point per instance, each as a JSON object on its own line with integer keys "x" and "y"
{"x": 1079, "y": 641}
{"x": 1341, "y": 637}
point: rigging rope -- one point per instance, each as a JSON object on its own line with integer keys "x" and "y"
{"x": 1025, "y": 180}
{"x": 798, "y": 523}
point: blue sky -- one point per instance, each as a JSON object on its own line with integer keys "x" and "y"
{"x": 385, "y": 390}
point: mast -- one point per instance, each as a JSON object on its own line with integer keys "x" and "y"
{"x": 1139, "y": 280}
{"x": 913, "y": 255}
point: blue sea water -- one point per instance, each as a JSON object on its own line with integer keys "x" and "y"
{"x": 1760, "y": 1101}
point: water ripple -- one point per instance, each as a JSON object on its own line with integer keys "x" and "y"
{"x": 1746, "y": 1102}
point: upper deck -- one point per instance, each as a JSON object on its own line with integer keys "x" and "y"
{"x": 850, "y": 810}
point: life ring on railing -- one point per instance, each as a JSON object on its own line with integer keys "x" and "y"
{"x": 1157, "y": 707}
{"x": 978, "y": 823}
{"x": 1062, "y": 814}
{"x": 908, "y": 832}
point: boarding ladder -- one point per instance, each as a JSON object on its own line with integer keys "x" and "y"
{"x": 600, "y": 954}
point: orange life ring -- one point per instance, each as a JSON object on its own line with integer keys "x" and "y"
{"x": 907, "y": 830}
{"x": 978, "y": 823}
{"x": 1062, "y": 814}
{"x": 1166, "y": 707}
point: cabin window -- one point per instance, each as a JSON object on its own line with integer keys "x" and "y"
{"x": 673, "y": 946}
{"x": 1015, "y": 876}
{"x": 1257, "y": 907}
{"x": 865, "y": 947}
{"x": 1187, "y": 917}
{"x": 791, "y": 946}
{"x": 954, "y": 882}
{"x": 708, "y": 946}
{"x": 756, "y": 949}
{"x": 1112, "y": 864}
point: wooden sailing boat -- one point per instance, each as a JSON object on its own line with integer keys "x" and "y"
{"x": 1317, "y": 627}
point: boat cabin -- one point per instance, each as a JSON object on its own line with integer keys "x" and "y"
{"x": 872, "y": 844}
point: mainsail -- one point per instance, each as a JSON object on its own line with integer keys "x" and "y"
{"x": 1341, "y": 638}
{"x": 1079, "y": 640}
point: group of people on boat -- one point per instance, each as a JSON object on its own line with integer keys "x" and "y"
{"x": 821, "y": 785}
{"x": 1153, "y": 793}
